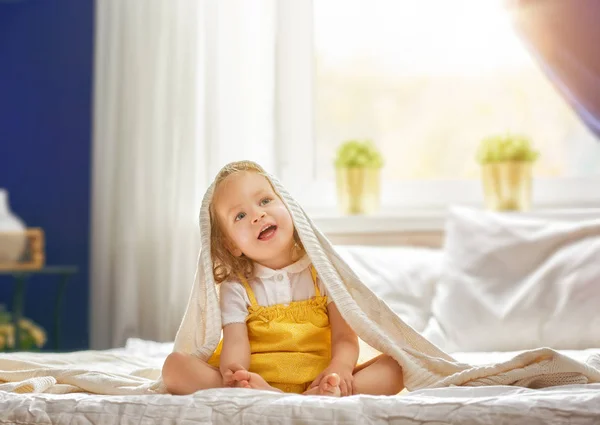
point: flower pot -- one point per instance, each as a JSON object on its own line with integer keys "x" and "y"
{"x": 12, "y": 232}
{"x": 507, "y": 185}
{"x": 358, "y": 190}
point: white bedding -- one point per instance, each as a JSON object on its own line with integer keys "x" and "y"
{"x": 512, "y": 282}
{"x": 486, "y": 405}
{"x": 574, "y": 404}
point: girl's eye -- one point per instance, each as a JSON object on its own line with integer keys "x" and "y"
{"x": 265, "y": 201}
{"x": 240, "y": 216}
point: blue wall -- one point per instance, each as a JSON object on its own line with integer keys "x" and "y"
{"x": 46, "y": 53}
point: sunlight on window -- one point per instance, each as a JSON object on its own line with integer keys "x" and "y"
{"x": 427, "y": 80}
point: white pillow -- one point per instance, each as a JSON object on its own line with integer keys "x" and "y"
{"x": 404, "y": 277}
{"x": 510, "y": 283}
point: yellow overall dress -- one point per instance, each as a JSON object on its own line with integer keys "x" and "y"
{"x": 290, "y": 345}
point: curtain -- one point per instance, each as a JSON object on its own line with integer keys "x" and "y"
{"x": 180, "y": 88}
{"x": 563, "y": 35}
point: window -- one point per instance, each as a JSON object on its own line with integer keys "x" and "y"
{"x": 426, "y": 81}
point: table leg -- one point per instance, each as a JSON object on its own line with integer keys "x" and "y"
{"x": 57, "y": 308}
{"x": 17, "y": 308}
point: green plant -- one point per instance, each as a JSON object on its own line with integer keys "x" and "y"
{"x": 357, "y": 153}
{"x": 32, "y": 336}
{"x": 502, "y": 148}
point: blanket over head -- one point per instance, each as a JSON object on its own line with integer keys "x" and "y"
{"x": 424, "y": 365}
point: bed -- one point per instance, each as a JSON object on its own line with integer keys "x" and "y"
{"x": 575, "y": 404}
{"x": 419, "y": 283}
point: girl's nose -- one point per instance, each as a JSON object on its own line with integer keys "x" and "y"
{"x": 258, "y": 216}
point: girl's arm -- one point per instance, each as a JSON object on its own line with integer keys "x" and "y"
{"x": 236, "y": 350}
{"x": 344, "y": 342}
{"x": 235, "y": 353}
{"x": 344, "y": 352}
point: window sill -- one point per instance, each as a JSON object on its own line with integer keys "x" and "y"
{"x": 331, "y": 222}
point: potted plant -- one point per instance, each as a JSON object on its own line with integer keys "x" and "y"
{"x": 506, "y": 166}
{"x": 32, "y": 336}
{"x": 358, "y": 175}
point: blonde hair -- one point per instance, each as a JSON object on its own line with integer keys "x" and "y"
{"x": 225, "y": 264}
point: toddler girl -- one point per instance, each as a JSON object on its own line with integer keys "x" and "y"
{"x": 280, "y": 331}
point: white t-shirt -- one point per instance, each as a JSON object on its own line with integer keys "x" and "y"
{"x": 270, "y": 287}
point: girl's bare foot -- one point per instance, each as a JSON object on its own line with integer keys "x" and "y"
{"x": 330, "y": 385}
{"x": 247, "y": 379}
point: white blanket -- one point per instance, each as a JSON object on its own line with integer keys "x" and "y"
{"x": 424, "y": 365}
{"x": 571, "y": 404}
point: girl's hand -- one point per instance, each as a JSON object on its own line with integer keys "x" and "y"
{"x": 227, "y": 374}
{"x": 346, "y": 378}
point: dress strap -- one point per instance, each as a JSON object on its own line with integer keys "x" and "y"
{"x": 313, "y": 273}
{"x": 249, "y": 291}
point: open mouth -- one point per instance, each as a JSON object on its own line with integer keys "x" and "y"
{"x": 267, "y": 233}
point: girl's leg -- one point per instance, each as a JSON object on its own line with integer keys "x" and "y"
{"x": 380, "y": 376}
{"x": 186, "y": 374}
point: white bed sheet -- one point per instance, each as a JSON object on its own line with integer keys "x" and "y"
{"x": 574, "y": 404}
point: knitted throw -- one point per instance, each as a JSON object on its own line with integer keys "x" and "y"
{"x": 424, "y": 365}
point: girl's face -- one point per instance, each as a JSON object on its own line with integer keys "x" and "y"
{"x": 255, "y": 219}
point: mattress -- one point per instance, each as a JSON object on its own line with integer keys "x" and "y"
{"x": 573, "y": 404}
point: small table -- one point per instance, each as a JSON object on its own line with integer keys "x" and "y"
{"x": 21, "y": 277}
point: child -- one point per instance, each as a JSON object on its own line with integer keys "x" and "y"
{"x": 280, "y": 331}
